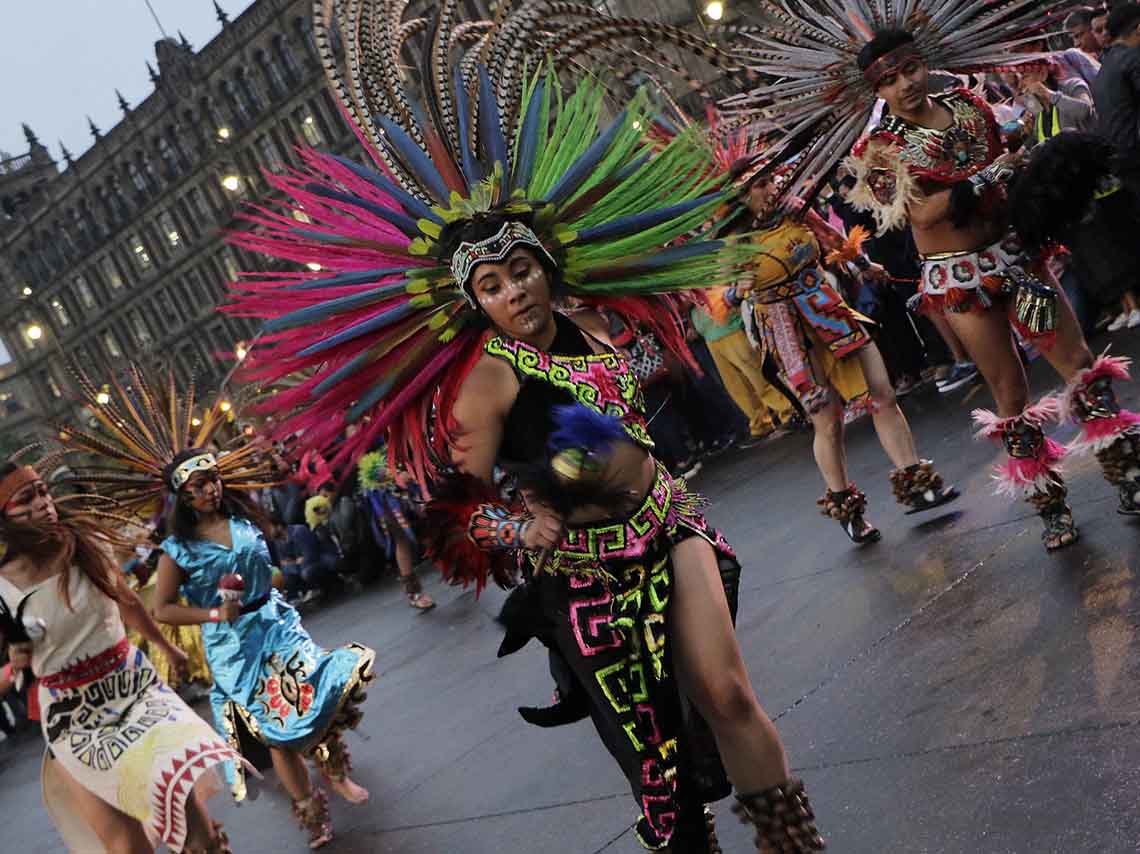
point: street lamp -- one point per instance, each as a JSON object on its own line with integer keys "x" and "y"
{"x": 231, "y": 183}
{"x": 223, "y": 133}
{"x": 103, "y": 397}
{"x": 26, "y": 291}
{"x": 241, "y": 351}
{"x": 225, "y": 406}
{"x": 714, "y": 10}
{"x": 34, "y": 332}
{"x": 195, "y": 421}
{"x": 314, "y": 266}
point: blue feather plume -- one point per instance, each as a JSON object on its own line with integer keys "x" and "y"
{"x": 586, "y": 163}
{"x": 627, "y": 225}
{"x": 324, "y": 310}
{"x": 415, "y": 159}
{"x": 528, "y": 139}
{"x": 373, "y": 324}
{"x": 411, "y": 204}
{"x": 581, "y": 427}
{"x": 471, "y": 169}
{"x": 405, "y": 223}
{"x": 490, "y": 124}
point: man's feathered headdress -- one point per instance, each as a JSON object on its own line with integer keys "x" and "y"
{"x": 477, "y": 124}
{"x": 816, "y": 98}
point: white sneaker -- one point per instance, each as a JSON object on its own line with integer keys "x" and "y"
{"x": 1119, "y": 323}
{"x": 1134, "y": 319}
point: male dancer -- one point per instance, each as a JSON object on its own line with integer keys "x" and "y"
{"x": 937, "y": 162}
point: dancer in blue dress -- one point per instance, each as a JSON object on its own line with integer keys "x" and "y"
{"x": 277, "y": 695}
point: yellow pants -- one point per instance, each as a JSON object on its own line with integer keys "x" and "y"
{"x": 741, "y": 368}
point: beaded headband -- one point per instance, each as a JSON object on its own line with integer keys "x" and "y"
{"x": 15, "y": 481}
{"x": 890, "y": 63}
{"x": 492, "y": 250}
{"x": 186, "y": 469}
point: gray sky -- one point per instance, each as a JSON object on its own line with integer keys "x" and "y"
{"x": 63, "y": 59}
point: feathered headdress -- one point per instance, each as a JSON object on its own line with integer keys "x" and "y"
{"x": 385, "y": 329}
{"x": 141, "y": 426}
{"x": 815, "y": 95}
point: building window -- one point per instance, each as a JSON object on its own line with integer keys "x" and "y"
{"x": 60, "y": 311}
{"x": 86, "y": 295}
{"x": 136, "y": 177}
{"x": 169, "y": 157}
{"x": 229, "y": 264}
{"x": 48, "y": 382}
{"x": 138, "y": 249}
{"x": 199, "y": 204}
{"x": 111, "y": 344}
{"x": 267, "y": 150}
{"x": 169, "y": 230}
{"x": 309, "y": 127}
{"x": 168, "y": 309}
{"x": 111, "y": 271}
{"x": 141, "y": 330}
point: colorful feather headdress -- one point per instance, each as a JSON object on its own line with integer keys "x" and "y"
{"x": 142, "y": 425}
{"x": 816, "y": 98}
{"x": 383, "y": 329}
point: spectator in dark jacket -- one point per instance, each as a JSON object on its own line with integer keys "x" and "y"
{"x": 1116, "y": 91}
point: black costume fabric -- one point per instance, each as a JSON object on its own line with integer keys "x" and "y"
{"x": 600, "y": 601}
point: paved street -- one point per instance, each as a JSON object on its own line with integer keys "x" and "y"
{"x": 951, "y": 690}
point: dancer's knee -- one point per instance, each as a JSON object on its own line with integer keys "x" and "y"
{"x": 726, "y": 698}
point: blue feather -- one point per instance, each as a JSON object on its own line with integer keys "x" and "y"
{"x": 582, "y": 427}
{"x": 585, "y": 164}
{"x": 370, "y": 398}
{"x": 490, "y": 123}
{"x": 415, "y": 159}
{"x": 471, "y": 168}
{"x": 411, "y": 204}
{"x": 624, "y": 226}
{"x": 630, "y": 168}
{"x": 326, "y": 309}
{"x": 351, "y": 367}
{"x": 405, "y": 223}
{"x": 321, "y": 237}
{"x": 528, "y": 139}
{"x": 373, "y": 324}
{"x": 361, "y": 278}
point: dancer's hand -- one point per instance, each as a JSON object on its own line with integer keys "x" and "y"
{"x": 875, "y": 272}
{"x": 544, "y": 531}
{"x": 179, "y": 660}
{"x": 229, "y": 612}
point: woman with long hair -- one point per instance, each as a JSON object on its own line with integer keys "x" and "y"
{"x": 124, "y": 752}
{"x": 277, "y": 694}
{"x": 432, "y": 325}
{"x": 278, "y": 697}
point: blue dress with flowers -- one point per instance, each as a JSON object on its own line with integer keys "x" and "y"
{"x": 273, "y": 686}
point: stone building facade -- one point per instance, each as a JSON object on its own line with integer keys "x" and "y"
{"x": 118, "y": 254}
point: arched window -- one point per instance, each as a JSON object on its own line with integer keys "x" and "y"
{"x": 213, "y": 114}
{"x": 137, "y": 179}
{"x": 250, "y": 92}
{"x": 304, "y": 29}
{"x": 170, "y": 165}
{"x": 84, "y": 292}
{"x": 233, "y": 98}
{"x": 288, "y": 61}
{"x": 278, "y": 86}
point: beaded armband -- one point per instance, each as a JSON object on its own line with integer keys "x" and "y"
{"x": 493, "y": 526}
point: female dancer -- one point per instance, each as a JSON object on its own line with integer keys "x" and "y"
{"x": 824, "y": 350}
{"x": 433, "y": 328}
{"x": 388, "y": 505}
{"x": 278, "y": 697}
{"x": 274, "y": 688}
{"x": 124, "y": 752}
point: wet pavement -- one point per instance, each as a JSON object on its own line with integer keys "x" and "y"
{"x": 952, "y": 689}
